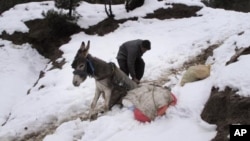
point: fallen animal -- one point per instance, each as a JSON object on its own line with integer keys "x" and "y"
{"x": 149, "y": 101}
{"x": 195, "y": 73}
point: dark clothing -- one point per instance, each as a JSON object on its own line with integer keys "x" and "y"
{"x": 139, "y": 67}
{"x": 129, "y": 58}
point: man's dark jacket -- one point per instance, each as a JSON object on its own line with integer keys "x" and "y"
{"x": 130, "y": 51}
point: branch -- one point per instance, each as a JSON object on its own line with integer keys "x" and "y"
{"x": 236, "y": 55}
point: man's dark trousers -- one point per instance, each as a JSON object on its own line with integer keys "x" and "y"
{"x": 139, "y": 67}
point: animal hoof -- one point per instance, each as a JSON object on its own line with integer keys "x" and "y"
{"x": 82, "y": 118}
{"x": 93, "y": 117}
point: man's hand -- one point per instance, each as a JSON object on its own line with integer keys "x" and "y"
{"x": 136, "y": 80}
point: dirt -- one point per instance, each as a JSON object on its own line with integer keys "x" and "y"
{"x": 106, "y": 26}
{"x": 40, "y": 38}
{"x": 223, "y": 108}
{"x": 177, "y": 11}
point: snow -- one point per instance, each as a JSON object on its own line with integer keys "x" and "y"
{"x": 54, "y": 101}
{"x": 13, "y": 20}
{"x": 20, "y": 67}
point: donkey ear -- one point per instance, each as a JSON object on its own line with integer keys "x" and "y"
{"x": 86, "y": 50}
{"x": 87, "y": 47}
{"x": 82, "y": 48}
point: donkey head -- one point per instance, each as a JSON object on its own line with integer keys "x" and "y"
{"x": 80, "y": 64}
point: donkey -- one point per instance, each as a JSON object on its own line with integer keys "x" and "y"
{"x": 110, "y": 81}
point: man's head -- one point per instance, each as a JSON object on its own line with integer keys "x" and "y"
{"x": 146, "y": 45}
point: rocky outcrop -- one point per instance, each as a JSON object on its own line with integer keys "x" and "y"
{"x": 224, "y": 108}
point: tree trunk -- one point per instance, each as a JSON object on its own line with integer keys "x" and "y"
{"x": 70, "y": 8}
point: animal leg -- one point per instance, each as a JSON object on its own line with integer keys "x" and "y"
{"x": 93, "y": 104}
{"x": 107, "y": 100}
{"x": 117, "y": 95}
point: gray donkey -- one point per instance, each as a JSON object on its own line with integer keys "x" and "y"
{"x": 111, "y": 82}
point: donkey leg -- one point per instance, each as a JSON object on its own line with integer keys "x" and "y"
{"x": 93, "y": 104}
{"x": 107, "y": 100}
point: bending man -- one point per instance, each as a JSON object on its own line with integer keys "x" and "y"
{"x": 130, "y": 60}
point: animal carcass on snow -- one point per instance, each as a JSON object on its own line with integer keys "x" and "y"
{"x": 195, "y": 73}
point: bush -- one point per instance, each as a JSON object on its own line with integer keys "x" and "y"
{"x": 67, "y": 4}
{"x": 61, "y": 24}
